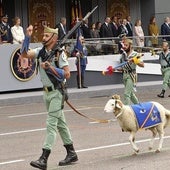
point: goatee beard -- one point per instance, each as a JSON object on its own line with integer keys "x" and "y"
{"x": 127, "y": 50}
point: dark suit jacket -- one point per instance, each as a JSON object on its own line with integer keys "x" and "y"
{"x": 165, "y": 30}
{"x": 114, "y": 29}
{"x": 122, "y": 30}
{"x": 60, "y": 31}
{"x": 130, "y": 29}
{"x": 85, "y": 31}
{"x": 106, "y": 31}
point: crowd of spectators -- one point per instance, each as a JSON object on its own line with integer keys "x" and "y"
{"x": 106, "y": 34}
{"x": 115, "y": 28}
{"x": 8, "y": 34}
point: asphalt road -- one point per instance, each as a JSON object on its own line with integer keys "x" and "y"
{"x": 100, "y": 146}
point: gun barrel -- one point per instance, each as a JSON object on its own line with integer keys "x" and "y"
{"x": 69, "y": 34}
{"x": 89, "y": 13}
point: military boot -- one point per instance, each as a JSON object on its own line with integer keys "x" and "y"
{"x": 161, "y": 95}
{"x": 41, "y": 163}
{"x": 70, "y": 157}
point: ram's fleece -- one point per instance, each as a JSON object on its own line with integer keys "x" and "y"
{"x": 127, "y": 121}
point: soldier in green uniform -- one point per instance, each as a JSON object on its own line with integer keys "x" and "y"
{"x": 129, "y": 72}
{"x": 52, "y": 76}
{"x": 164, "y": 59}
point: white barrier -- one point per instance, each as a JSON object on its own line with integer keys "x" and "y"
{"x": 95, "y": 63}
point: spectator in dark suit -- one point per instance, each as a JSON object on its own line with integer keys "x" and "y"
{"x": 122, "y": 30}
{"x": 114, "y": 26}
{"x": 129, "y": 27}
{"x": 106, "y": 30}
{"x": 61, "y": 28}
{"x": 85, "y": 29}
{"x": 165, "y": 29}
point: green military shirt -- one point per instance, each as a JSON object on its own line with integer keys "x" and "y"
{"x": 125, "y": 58}
{"x": 162, "y": 59}
{"x": 61, "y": 63}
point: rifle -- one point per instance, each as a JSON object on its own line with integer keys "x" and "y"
{"x": 61, "y": 43}
{"x": 110, "y": 70}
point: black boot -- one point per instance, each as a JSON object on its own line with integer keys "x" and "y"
{"x": 41, "y": 163}
{"x": 70, "y": 157}
{"x": 82, "y": 82}
{"x": 161, "y": 95}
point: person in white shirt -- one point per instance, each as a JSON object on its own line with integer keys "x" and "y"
{"x": 17, "y": 31}
{"x": 139, "y": 33}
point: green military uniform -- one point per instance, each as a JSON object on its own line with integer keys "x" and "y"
{"x": 164, "y": 60}
{"x": 54, "y": 100}
{"x": 129, "y": 79}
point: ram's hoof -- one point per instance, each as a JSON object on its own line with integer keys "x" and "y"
{"x": 135, "y": 152}
{"x": 157, "y": 151}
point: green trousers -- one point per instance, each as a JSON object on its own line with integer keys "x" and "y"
{"x": 55, "y": 120}
{"x": 166, "y": 78}
{"x": 129, "y": 95}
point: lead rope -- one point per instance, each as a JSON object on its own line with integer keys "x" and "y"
{"x": 90, "y": 118}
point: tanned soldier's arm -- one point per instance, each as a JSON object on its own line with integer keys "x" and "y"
{"x": 141, "y": 64}
{"x": 66, "y": 72}
{"x": 30, "y": 53}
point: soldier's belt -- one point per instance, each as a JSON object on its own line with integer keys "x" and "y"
{"x": 48, "y": 89}
{"x": 165, "y": 66}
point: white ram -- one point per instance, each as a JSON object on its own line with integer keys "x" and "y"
{"x": 128, "y": 122}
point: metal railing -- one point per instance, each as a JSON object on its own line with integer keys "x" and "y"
{"x": 104, "y": 46}
{"x": 111, "y": 45}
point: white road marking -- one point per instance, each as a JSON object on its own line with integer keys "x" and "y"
{"x": 84, "y": 150}
{"x": 10, "y": 162}
{"x": 42, "y": 113}
{"x": 24, "y": 131}
{"x": 116, "y": 145}
{"x": 110, "y": 120}
{"x": 26, "y": 115}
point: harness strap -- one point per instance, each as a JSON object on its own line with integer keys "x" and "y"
{"x": 148, "y": 115}
{"x": 119, "y": 115}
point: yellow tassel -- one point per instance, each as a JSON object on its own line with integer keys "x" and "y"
{"x": 136, "y": 60}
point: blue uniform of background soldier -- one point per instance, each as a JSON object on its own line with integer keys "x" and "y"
{"x": 5, "y": 30}
{"x": 80, "y": 52}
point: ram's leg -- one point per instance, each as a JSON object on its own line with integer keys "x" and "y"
{"x": 154, "y": 133}
{"x": 132, "y": 142}
{"x": 160, "y": 130}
